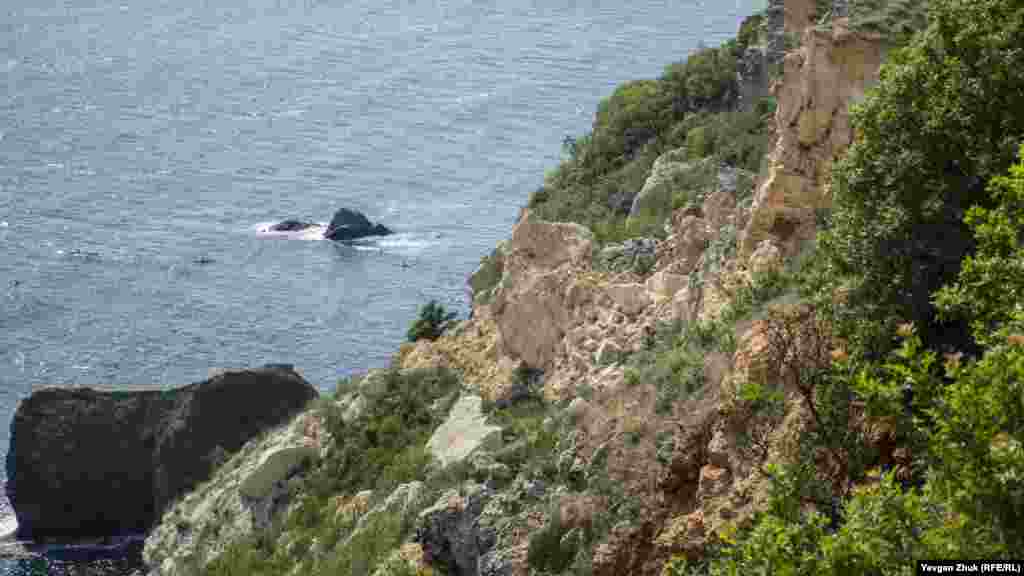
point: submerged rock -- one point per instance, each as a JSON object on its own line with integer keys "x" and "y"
{"x": 291, "y": 226}
{"x": 351, "y": 224}
{"x": 84, "y": 462}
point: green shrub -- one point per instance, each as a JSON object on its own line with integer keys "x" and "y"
{"x": 627, "y": 119}
{"x": 990, "y": 286}
{"x": 547, "y": 549}
{"x": 970, "y": 504}
{"x": 432, "y": 322}
{"x": 700, "y": 142}
{"x": 369, "y": 547}
{"x": 602, "y": 171}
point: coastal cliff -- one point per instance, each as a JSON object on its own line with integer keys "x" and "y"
{"x": 630, "y": 379}
{"x": 87, "y": 463}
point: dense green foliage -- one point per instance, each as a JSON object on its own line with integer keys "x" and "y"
{"x": 962, "y": 419}
{"x": 943, "y": 121}
{"x": 432, "y": 322}
{"x": 693, "y": 104}
{"x": 971, "y": 504}
{"x": 990, "y": 288}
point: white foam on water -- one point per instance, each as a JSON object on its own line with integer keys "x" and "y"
{"x": 404, "y": 241}
{"x": 8, "y": 526}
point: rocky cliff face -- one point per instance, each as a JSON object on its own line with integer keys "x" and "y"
{"x": 243, "y": 495}
{"x": 578, "y": 321}
{"x": 831, "y": 70}
{"x": 546, "y": 300}
{"x": 89, "y": 463}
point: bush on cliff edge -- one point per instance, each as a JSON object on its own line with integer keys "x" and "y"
{"x": 432, "y": 322}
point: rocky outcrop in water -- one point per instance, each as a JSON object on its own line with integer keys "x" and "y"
{"x": 84, "y": 462}
{"x": 351, "y": 225}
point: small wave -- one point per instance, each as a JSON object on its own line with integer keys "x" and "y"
{"x": 8, "y": 527}
{"x": 404, "y": 242}
{"x": 314, "y": 233}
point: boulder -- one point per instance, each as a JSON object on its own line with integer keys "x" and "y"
{"x": 351, "y": 225}
{"x": 528, "y": 305}
{"x": 291, "y": 226}
{"x": 449, "y": 531}
{"x": 274, "y": 466}
{"x": 655, "y": 198}
{"x": 465, "y": 431}
{"x": 665, "y": 284}
{"x": 630, "y": 298}
{"x": 85, "y": 463}
{"x": 547, "y": 245}
{"x": 532, "y": 318}
{"x": 628, "y": 254}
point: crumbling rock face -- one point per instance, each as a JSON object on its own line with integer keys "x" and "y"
{"x": 832, "y": 70}
{"x": 528, "y": 307}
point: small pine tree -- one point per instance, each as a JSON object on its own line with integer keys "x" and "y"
{"x": 432, "y": 322}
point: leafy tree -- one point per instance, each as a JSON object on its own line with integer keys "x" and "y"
{"x": 944, "y": 119}
{"x": 990, "y": 288}
{"x": 433, "y": 321}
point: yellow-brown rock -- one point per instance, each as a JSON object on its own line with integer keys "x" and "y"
{"x": 832, "y": 70}
{"x": 529, "y": 308}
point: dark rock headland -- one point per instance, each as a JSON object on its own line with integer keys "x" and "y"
{"x": 84, "y": 463}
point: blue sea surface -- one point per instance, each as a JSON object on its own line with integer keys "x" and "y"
{"x": 139, "y": 138}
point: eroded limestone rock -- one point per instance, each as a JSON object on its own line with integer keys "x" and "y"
{"x": 832, "y": 70}
{"x": 465, "y": 431}
{"x": 630, "y": 298}
{"x": 655, "y": 198}
{"x": 275, "y": 465}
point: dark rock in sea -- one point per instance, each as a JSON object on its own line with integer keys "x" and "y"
{"x": 202, "y": 260}
{"x": 85, "y": 463}
{"x": 291, "y": 226}
{"x": 350, "y": 225}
